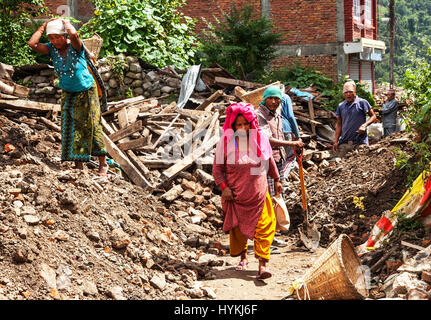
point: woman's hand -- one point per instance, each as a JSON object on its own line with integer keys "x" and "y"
{"x": 278, "y": 187}
{"x": 227, "y": 194}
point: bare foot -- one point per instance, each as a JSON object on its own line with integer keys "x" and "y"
{"x": 103, "y": 170}
{"x": 78, "y": 165}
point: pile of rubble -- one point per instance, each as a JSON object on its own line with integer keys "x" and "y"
{"x": 68, "y": 234}
{"x": 158, "y": 232}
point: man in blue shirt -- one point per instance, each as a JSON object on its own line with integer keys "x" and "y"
{"x": 351, "y": 127}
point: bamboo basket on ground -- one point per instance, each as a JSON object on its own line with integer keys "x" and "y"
{"x": 94, "y": 44}
{"x": 336, "y": 275}
{"x": 256, "y": 96}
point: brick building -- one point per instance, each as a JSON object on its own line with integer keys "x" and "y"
{"x": 80, "y": 10}
{"x": 336, "y": 37}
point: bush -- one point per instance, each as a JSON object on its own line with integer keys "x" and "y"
{"x": 301, "y": 77}
{"x": 243, "y": 43}
{"x": 152, "y": 30}
{"x": 15, "y": 30}
{"x": 417, "y": 83}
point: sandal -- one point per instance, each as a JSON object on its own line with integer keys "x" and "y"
{"x": 265, "y": 274}
{"x": 242, "y": 266}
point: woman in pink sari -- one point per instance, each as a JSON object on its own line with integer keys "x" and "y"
{"x": 241, "y": 164}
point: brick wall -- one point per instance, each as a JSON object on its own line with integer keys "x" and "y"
{"x": 207, "y": 9}
{"x": 83, "y": 11}
{"x": 356, "y": 29}
{"x": 327, "y": 64}
{"x": 54, "y": 6}
{"x": 300, "y": 22}
{"x": 306, "y": 21}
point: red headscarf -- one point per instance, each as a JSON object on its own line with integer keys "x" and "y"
{"x": 258, "y": 140}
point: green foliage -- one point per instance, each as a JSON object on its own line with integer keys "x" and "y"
{"x": 412, "y": 35}
{"x": 417, "y": 83}
{"x": 407, "y": 224}
{"x": 15, "y": 30}
{"x": 243, "y": 43}
{"x": 300, "y": 77}
{"x": 150, "y": 29}
{"x": 117, "y": 65}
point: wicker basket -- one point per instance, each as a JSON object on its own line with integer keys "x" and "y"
{"x": 94, "y": 44}
{"x": 256, "y": 96}
{"x": 336, "y": 275}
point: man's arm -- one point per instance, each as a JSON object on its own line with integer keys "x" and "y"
{"x": 338, "y": 127}
{"x": 284, "y": 143}
{"x": 372, "y": 118}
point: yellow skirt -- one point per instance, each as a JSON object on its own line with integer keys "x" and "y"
{"x": 263, "y": 237}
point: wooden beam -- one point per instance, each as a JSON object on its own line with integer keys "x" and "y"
{"x": 127, "y": 116}
{"x": 127, "y": 131}
{"x": 27, "y": 105}
{"x": 6, "y": 71}
{"x": 126, "y": 165}
{"x": 132, "y": 144}
{"x": 240, "y": 83}
{"x": 210, "y": 129}
{"x": 211, "y": 99}
{"x": 14, "y": 89}
{"x": 8, "y": 97}
{"x": 304, "y": 119}
{"x": 189, "y": 137}
{"x": 138, "y": 164}
{"x": 311, "y": 112}
{"x": 188, "y": 160}
{"x": 166, "y": 123}
{"x": 50, "y": 124}
{"x": 239, "y": 92}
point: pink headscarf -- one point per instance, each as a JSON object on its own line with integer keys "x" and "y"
{"x": 258, "y": 140}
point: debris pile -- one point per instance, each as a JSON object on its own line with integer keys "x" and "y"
{"x": 154, "y": 238}
{"x": 69, "y": 234}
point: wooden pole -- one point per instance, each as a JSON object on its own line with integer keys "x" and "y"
{"x": 392, "y": 41}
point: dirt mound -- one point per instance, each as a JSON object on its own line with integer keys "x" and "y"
{"x": 350, "y": 194}
{"x": 69, "y": 234}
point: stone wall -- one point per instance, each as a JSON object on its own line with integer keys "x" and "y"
{"x": 123, "y": 78}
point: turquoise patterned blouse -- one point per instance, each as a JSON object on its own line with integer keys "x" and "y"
{"x": 71, "y": 70}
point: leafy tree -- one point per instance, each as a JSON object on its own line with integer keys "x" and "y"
{"x": 15, "y": 30}
{"x": 417, "y": 83}
{"x": 153, "y": 30}
{"x": 412, "y": 34}
{"x": 243, "y": 43}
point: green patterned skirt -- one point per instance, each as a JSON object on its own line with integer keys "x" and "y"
{"x": 81, "y": 129}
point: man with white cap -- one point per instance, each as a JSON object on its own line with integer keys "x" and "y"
{"x": 351, "y": 127}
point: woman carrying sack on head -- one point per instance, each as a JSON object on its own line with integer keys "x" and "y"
{"x": 242, "y": 161}
{"x": 81, "y": 132}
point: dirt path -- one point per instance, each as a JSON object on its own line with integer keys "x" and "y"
{"x": 288, "y": 265}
